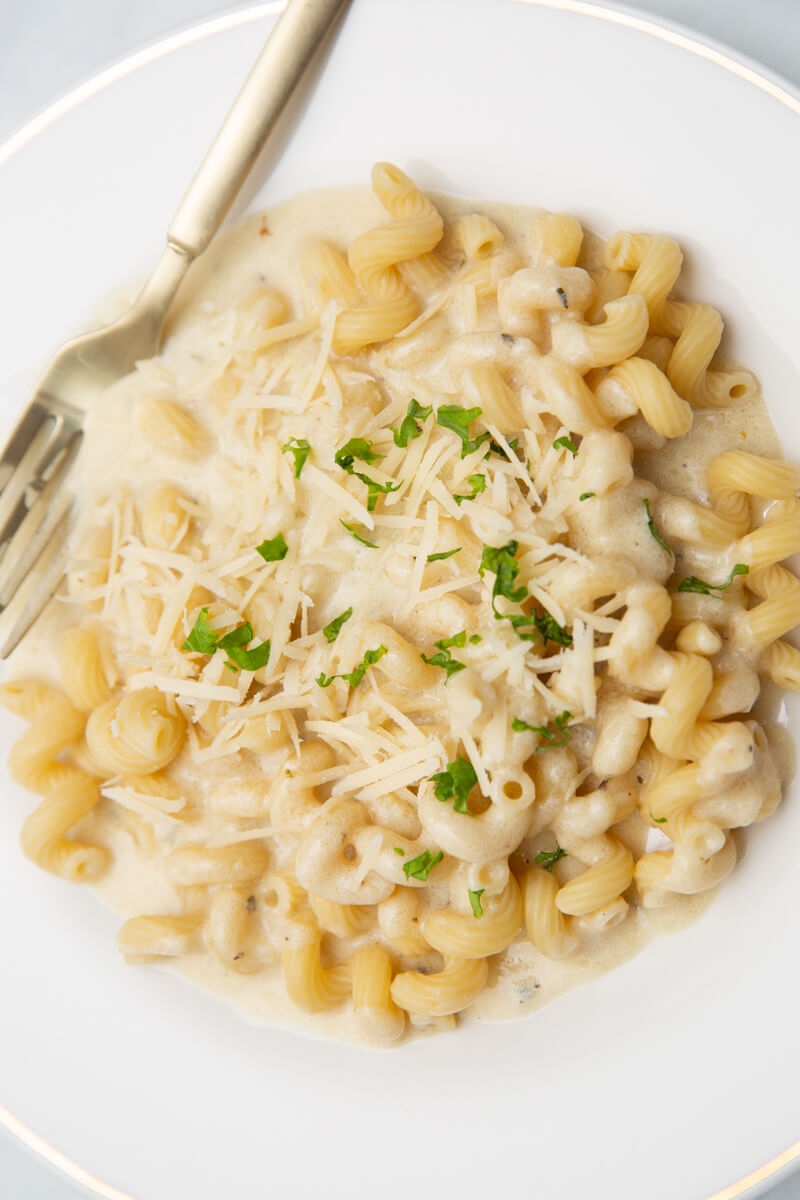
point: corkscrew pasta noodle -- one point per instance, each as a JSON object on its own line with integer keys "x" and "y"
{"x": 420, "y": 599}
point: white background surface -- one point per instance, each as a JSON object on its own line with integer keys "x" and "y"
{"x": 47, "y": 46}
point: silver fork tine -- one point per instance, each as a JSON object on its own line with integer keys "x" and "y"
{"x": 25, "y": 467}
{"x": 49, "y": 439}
{"x": 38, "y": 587}
{"x": 36, "y": 526}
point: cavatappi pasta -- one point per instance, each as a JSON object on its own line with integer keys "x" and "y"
{"x": 404, "y": 667}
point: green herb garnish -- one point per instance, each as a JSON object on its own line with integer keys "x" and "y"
{"x": 475, "y": 638}
{"x": 410, "y": 427}
{"x": 502, "y": 562}
{"x": 273, "y": 549}
{"x": 354, "y": 677}
{"x": 658, "y": 820}
{"x": 357, "y": 447}
{"x": 549, "y": 629}
{"x": 565, "y": 443}
{"x": 586, "y": 495}
{"x": 478, "y": 485}
{"x": 444, "y": 658}
{"x": 458, "y": 639}
{"x": 375, "y": 489}
{"x": 360, "y": 448}
{"x": 334, "y": 627}
{"x": 201, "y": 638}
{"x": 496, "y": 448}
{"x": 358, "y": 536}
{"x": 693, "y": 584}
{"x": 457, "y": 419}
{"x": 421, "y": 866}
{"x": 549, "y": 858}
{"x": 300, "y": 450}
{"x": 204, "y": 640}
{"x": 456, "y": 783}
{"x": 400, "y": 851}
{"x": 475, "y": 901}
{"x": 654, "y": 530}
{"x": 233, "y": 644}
{"x": 548, "y": 736}
{"x": 443, "y": 555}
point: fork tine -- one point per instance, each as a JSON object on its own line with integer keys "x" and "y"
{"x": 35, "y": 528}
{"x": 23, "y": 468}
{"x": 46, "y": 443}
{"x": 38, "y": 587}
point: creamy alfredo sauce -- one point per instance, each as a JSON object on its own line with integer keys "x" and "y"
{"x": 265, "y": 250}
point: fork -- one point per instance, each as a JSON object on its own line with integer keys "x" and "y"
{"x": 35, "y": 501}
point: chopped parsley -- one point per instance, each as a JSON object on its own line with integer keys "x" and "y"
{"x": 502, "y": 562}
{"x": 548, "y": 736}
{"x": 586, "y": 495}
{"x": 549, "y": 629}
{"x": 233, "y": 644}
{"x": 375, "y": 489}
{"x": 354, "y": 677}
{"x": 658, "y": 820}
{"x": 421, "y": 866}
{"x": 410, "y": 427}
{"x": 458, "y": 419}
{"x": 273, "y": 549}
{"x": 455, "y": 783}
{"x": 334, "y": 627}
{"x": 357, "y": 447}
{"x": 458, "y": 639}
{"x": 475, "y": 901}
{"x": 358, "y": 536}
{"x": 442, "y": 555}
{"x": 693, "y": 584}
{"x": 360, "y": 448}
{"x": 654, "y": 530}
{"x": 549, "y": 858}
{"x": 478, "y": 485}
{"x": 399, "y": 850}
{"x": 565, "y": 443}
{"x": 205, "y": 640}
{"x": 496, "y": 448}
{"x": 202, "y": 638}
{"x": 444, "y": 658}
{"x": 562, "y": 295}
{"x": 300, "y": 449}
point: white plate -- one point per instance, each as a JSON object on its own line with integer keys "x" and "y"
{"x": 676, "y": 1075}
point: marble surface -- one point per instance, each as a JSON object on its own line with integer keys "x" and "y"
{"x": 48, "y": 46}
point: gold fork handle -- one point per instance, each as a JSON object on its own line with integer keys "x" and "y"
{"x": 263, "y": 97}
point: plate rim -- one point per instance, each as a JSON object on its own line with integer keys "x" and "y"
{"x": 672, "y": 33}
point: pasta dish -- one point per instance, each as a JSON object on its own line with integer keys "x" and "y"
{"x": 425, "y": 616}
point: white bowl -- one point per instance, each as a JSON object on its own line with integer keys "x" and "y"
{"x": 676, "y": 1075}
